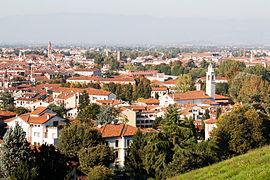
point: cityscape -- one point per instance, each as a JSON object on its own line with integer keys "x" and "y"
{"x": 134, "y": 99}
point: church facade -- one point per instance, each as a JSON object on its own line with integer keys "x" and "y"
{"x": 196, "y": 97}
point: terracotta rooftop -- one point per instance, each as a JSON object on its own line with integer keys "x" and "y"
{"x": 87, "y": 69}
{"x": 220, "y": 97}
{"x": 159, "y": 89}
{"x": 210, "y": 102}
{"x": 39, "y": 110}
{"x": 210, "y": 121}
{"x": 149, "y": 101}
{"x": 117, "y": 130}
{"x": 190, "y": 95}
{"x": 7, "y": 113}
{"x": 28, "y": 118}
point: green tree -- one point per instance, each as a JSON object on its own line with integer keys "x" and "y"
{"x": 180, "y": 132}
{"x": 100, "y": 155}
{"x": 51, "y": 164}
{"x": 226, "y": 65}
{"x": 237, "y": 84}
{"x": 231, "y": 73}
{"x": 196, "y": 73}
{"x": 24, "y": 172}
{"x": 88, "y": 113}
{"x": 191, "y": 64}
{"x": 158, "y": 121}
{"x": 107, "y": 115}
{"x": 60, "y": 110}
{"x": 158, "y": 153}
{"x": 183, "y": 83}
{"x": 222, "y": 88}
{"x": 204, "y": 64}
{"x": 21, "y": 110}
{"x": 218, "y": 112}
{"x": 255, "y": 85}
{"x": 199, "y": 155}
{"x": 14, "y": 150}
{"x": 259, "y": 70}
{"x": 7, "y": 101}
{"x": 134, "y": 159}
{"x": 241, "y": 130}
{"x": 83, "y": 100}
{"x": 142, "y": 88}
{"x": 75, "y": 136}
{"x": 100, "y": 173}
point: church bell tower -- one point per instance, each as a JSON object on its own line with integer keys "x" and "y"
{"x": 211, "y": 82}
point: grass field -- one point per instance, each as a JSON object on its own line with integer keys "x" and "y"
{"x": 253, "y": 165}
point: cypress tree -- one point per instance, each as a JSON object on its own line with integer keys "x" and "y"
{"x": 134, "y": 159}
{"x": 83, "y": 100}
{"x": 15, "y": 150}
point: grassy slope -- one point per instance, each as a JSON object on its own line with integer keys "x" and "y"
{"x": 253, "y": 165}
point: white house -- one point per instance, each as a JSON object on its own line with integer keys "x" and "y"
{"x": 160, "y": 91}
{"x": 88, "y": 72}
{"x": 40, "y": 125}
{"x": 119, "y": 137}
{"x": 72, "y": 112}
{"x": 37, "y": 104}
{"x": 70, "y": 96}
{"x": 195, "y": 97}
{"x": 210, "y": 124}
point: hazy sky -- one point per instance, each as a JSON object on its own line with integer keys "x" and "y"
{"x": 213, "y": 9}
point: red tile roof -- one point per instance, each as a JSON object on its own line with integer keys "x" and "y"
{"x": 190, "y": 95}
{"x": 7, "y": 113}
{"x": 159, "y": 89}
{"x": 149, "y": 101}
{"x": 117, "y": 130}
{"x": 210, "y": 102}
{"x": 39, "y": 110}
{"x": 87, "y": 69}
{"x": 220, "y": 97}
{"x": 210, "y": 121}
{"x": 28, "y": 118}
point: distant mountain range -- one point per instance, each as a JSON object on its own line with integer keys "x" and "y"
{"x": 127, "y": 29}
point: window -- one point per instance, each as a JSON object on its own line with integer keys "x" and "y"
{"x": 107, "y": 143}
{"x": 37, "y": 134}
{"x": 116, "y": 154}
{"x": 128, "y": 143}
{"x": 116, "y": 143}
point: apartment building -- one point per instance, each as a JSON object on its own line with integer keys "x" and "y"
{"x": 41, "y": 126}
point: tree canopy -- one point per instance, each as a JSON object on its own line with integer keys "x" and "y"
{"x": 240, "y": 130}
{"x": 14, "y": 150}
{"x": 75, "y": 136}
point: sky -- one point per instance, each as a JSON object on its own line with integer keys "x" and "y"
{"x": 211, "y": 9}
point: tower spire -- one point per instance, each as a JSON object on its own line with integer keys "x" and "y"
{"x": 211, "y": 81}
{"x": 49, "y": 50}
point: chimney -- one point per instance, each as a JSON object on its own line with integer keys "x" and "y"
{"x": 48, "y": 116}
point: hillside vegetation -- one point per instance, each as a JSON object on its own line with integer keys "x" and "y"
{"x": 253, "y": 165}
